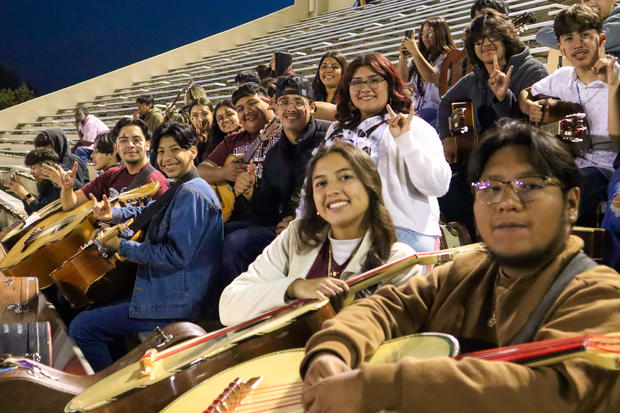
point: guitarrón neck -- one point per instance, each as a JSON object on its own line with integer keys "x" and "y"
{"x": 535, "y": 351}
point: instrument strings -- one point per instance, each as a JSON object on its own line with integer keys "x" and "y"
{"x": 270, "y": 398}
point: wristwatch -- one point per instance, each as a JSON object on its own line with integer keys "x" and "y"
{"x": 29, "y": 195}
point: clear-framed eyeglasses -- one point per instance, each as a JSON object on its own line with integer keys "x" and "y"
{"x": 528, "y": 189}
{"x": 298, "y": 103}
{"x": 373, "y": 82}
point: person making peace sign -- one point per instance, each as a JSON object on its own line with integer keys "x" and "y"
{"x": 375, "y": 114}
{"x": 503, "y": 67}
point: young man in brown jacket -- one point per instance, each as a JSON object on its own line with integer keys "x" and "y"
{"x": 526, "y": 200}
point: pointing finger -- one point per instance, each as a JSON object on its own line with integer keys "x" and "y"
{"x": 390, "y": 111}
{"x": 601, "y": 48}
{"x": 411, "y": 112}
{"x": 495, "y": 63}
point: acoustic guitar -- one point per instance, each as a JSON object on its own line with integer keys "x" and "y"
{"x": 160, "y": 376}
{"x": 50, "y": 242}
{"x": 272, "y": 383}
{"x": 224, "y": 191}
{"x": 93, "y": 276}
{"x": 456, "y": 64}
{"x": 464, "y": 137}
{"x": 11, "y": 237}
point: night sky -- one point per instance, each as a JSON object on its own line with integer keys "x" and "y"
{"x": 52, "y": 44}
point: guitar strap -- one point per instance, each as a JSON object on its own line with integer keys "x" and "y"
{"x": 160, "y": 205}
{"x": 140, "y": 178}
{"x": 580, "y": 263}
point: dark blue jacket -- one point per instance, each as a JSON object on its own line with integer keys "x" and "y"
{"x": 179, "y": 257}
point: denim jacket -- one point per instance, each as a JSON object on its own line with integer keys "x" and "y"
{"x": 179, "y": 257}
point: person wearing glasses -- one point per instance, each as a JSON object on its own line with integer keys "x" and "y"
{"x": 372, "y": 114}
{"x": 273, "y": 200}
{"x": 526, "y": 187}
{"x": 503, "y": 67}
{"x": 420, "y": 63}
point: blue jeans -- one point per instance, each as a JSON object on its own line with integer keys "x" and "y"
{"x": 100, "y": 331}
{"x": 593, "y": 186}
{"x": 83, "y": 153}
{"x": 243, "y": 242}
{"x": 419, "y": 242}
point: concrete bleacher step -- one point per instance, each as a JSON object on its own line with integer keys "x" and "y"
{"x": 376, "y": 27}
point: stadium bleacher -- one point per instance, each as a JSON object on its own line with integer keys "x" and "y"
{"x": 376, "y": 27}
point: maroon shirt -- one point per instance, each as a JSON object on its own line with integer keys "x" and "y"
{"x": 321, "y": 264}
{"x": 238, "y": 143}
{"x": 116, "y": 179}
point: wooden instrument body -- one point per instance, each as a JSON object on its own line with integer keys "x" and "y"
{"x": 19, "y": 230}
{"x": 178, "y": 369}
{"x": 185, "y": 369}
{"x": 281, "y": 380}
{"x": 463, "y": 130}
{"x": 53, "y": 240}
{"x": 42, "y": 388}
{"x": 226, "y": 194}
{"x": 50, "y": 242}
{"x": 87, "y": 278}
{"x": 454, "y": 66}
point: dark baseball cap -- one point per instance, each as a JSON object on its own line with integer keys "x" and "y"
{"x": 294, "y": 85}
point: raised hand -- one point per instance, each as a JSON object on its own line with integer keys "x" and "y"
{"x": 499, "y": 81}
{"x": 605, "y": 66}
{"x": 18, "y": 189}
{"x": 51, "y": 174}
{"x": 102, "y": 210}
{"x": 409, "y": 43}
{"x": 67, "y": 178}
{"x": 318, "y": 288}
{"x": 244, "y": 184}
{"x": 400, "y": 123}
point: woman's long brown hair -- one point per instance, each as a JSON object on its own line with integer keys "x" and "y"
{"x": 442, "y": 41}
{"x": 313, "y": 229}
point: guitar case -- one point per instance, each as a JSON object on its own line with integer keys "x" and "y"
{"x": 27, "y": 386}
{"x": 32, "y": 340}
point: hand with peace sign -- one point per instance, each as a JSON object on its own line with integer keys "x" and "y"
{"x": 400, "y": 123}
{"x": 604, "y": 67}
{"x": 499, "y": 81}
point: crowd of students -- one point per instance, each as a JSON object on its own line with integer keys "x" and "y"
{"x": 355, "y": 169}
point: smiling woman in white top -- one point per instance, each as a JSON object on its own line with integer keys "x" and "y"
{"x": 346, "y": 231}
{"x": 410, "y": 158}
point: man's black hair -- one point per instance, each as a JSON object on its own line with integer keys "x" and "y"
{"x": 148, "y": 99}
{"x": 499, "y": 5}
{"x": 182, "y": 133}
{"x": 247, "y": 89}
{"x": 41, "y": 155}
{"x": 247, "y": 76}
{"x": 549, "y": 157}
{"x": 127, "y": 122}
{"x": 576, "y": 18}
{"x": 104, "y": 143}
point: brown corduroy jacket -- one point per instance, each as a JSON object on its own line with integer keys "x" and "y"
{"x": 457, "y": 298}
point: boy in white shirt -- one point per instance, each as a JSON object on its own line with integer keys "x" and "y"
{"x": 579, "y": 30}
